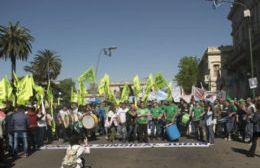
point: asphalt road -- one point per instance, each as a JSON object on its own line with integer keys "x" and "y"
{"x": 221, "y": 155}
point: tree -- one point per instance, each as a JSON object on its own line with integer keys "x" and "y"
{"x": 15, "y": 43}
{"x": 187, "y": 75}
{"x": 46, "y": 65}
{"x": 65, "y": 89}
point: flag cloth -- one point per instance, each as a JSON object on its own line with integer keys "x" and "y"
{"x": 50, "y": 98}
{"x": 88, "y": 75}
{"x": 169, "y": 91}
{"x": 136, "y": 86}
{"x": 149, "y": 86}
{"x": 82, "y": 93}
{"x": 6, "y": 89}
{"x": 73, "y": 96}
{"x": 159, "y": 81}
{"x": 39, "y": 93}
{"x": 103, "y": 87}
{"x": 15, "y": 79}
{"x": 198, "y": 93}
{"x": 24, "y": 90}
{"x": 125, "y": 93}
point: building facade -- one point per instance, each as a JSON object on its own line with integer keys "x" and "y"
{"x": 211, "y": 69}
{"x": 238, "y": 65}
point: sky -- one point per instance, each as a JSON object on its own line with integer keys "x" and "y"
{"x": 150, "y": 35}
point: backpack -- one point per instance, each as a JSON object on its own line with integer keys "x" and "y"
{"x": 70, "y": 159}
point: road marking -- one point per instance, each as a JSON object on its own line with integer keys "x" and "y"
{"x": 136, "y": 145}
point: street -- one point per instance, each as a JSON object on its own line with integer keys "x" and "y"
{"x": 221, "y": 155}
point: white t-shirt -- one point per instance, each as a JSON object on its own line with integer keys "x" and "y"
{"x": 63, "y": 113}
{"x": 122, "y": 114}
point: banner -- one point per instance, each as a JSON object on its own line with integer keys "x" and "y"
{"x": 176, "y": 93}
{"x": 136, "y": 145}
{"x": 199, "y": 94}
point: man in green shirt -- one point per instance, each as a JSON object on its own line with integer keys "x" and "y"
{"x": 142, "y": 121}
{"x": 197, "y": 120}
{"x": 157, "y": 114}
{"x": 170, "y": 111}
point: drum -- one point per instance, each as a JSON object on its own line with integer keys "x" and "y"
{"x": 90, "y": 121}
{"x": 172, "y": 132}
{"x": 185, "y": 119}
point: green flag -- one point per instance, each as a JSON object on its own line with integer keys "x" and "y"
{"x": 136, "y": 86}
{"x": 73, "y": 96}
{"x": 39, "y": 93}
{"x": 82, "y": 93}
{"x": 125, "y": 93}
{"x": 50, "y": 99}
{"x": 169, "y": 91}
{"x": 103, "y": 87}
{"x": 6, "y": 89}
{"x": 149, "y": 86}
{"x": 24, "y": 90}
{"x": 159, "y": 81}
{"x": 88, "y": 75}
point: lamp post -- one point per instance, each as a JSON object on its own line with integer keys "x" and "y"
{"x": 246, "y": 14}
{"x": 103, "y": 51}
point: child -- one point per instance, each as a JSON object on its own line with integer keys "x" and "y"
{"x": 74, "y": 153}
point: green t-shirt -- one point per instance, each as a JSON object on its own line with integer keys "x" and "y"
{"x": 170, "y": 112}
{"x": 142, "y": 120}
{"x": 197, "y": 112}
{"x": 156, "y": 112}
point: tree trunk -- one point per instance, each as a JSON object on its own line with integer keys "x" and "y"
{"x": 13, "y": 68}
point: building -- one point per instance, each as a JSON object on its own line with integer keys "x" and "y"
{"x": 211, "y": 69}
{"x": 117, "y": 87}
{"x": 238, "y": 65}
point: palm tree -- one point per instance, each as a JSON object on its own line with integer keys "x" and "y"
{"x": 45, "y": 66}
{"x": 15, "y": 43}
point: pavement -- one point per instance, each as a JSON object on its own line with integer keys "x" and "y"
{"x": 223, "y": 154}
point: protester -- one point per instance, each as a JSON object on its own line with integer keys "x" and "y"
{"x": 42, "y": 126}
{"x": 209, "y": 124}
{"x": 2, "y": 119}
{"x": 157, "y": 123}
{"x": 32, "y": 129}
{"x": 197, "y": 121}
{"x": 131, "y": 123}
{"x": 256, "y": 129}
{"x": 121, "y": 113}
{"x": 142, "y": 121}
{"x": 74, "y": 153}
{"x": 111, "y": 123}
{"x": 20, "y": 122}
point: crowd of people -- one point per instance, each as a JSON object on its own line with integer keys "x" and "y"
{"x": 31, "y": 127}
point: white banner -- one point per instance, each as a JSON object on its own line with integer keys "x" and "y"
{"x": 134, "y": 145}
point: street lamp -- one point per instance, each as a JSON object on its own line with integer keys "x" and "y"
{"x": 104, "y": 51}
{"x": 247, "y": 14}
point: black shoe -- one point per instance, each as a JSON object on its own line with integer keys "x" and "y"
{"x": 250, "y": 155}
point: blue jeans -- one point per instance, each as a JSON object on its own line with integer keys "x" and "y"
{"x": 23, "y": 135}
{"x": 210, "y": 134}
{"x": 10, "y": 142}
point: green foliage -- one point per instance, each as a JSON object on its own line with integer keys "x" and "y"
{"x": 45, "y": 63}
{"x": 187, "y": 75}
{"x": 65, "y": 89}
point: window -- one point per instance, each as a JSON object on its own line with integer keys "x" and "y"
{"x": 215, "y": 70}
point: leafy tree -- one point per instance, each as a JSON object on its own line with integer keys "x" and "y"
{"x": 46, "y": 65}
{"x": 187, "y": 75}
{"x": 65, "y": 89}
{"x": 15, "y": 43}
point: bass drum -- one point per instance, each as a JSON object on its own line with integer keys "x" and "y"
{"x": 90, "y": 121}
